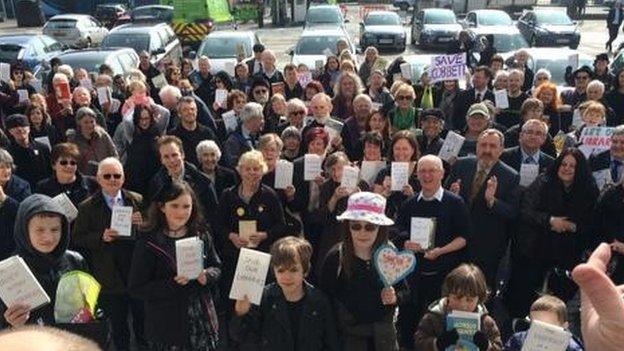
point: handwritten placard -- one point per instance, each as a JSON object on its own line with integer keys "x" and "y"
{"x": 247, "y": 228}
{"x": 393, "y": 265}
{"x": 596, "y": 138}
{"x": 422, "y": 231}
{"x": 250, "y": 275}
{"x": 189, "y": 257}
{"x": 284, "y": 171}
{"x": 121, "y": 220}
{"x": 399, "y": 174}
{"x": 71, "y": 212}
{"x": 546, "y": 337}
{"x": 447, "y": 67}
{"x": 18, "y": 285}
{"x": 501, "y": 99}
{"x": 452, "y": 146}
{"x": 221, "y": 97}
{"x": 311, "y": 166}
{"x": 350, "y": 177}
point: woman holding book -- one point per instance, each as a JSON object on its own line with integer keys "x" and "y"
{"x": 180, "y": 313}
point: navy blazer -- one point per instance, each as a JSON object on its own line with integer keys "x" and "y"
{"x": 464, "y": 100}
{"x": 600, "y": 161}
{"x": 492, "y": 225}
{"x": 513, "y": 158}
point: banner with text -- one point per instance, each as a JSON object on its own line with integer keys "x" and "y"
{"x": 447, "y": 67}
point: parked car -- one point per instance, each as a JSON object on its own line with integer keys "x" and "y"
{"x": 404, "y": 5}
{"x": 506, "y": 38}
{"x": 75, "y": 30}
{"x": 225, "y": 46}
{"x": 148, "y": 14}
{"x": 486, "y": 18}
{"x": 157, "y": 39}
{"x": 549, "y": 28}
{"x": 30, "y": 49}
{"x": 121, "y": 60}
{"x": 382, "y": 29}
{"x": 434, "y": 27}
{"x": 418, "y": 64}
{"x": 314, "y": 44}
{"x": 555, "y": 60}
{"x": 324, "y": 15}
{"x": 109, "y": 14}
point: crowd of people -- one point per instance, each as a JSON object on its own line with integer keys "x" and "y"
{"x": 196, "y": 156}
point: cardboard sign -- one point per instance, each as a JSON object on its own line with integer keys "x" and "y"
{"x": 447, "y": 67}
{"x": 250, "y": 275}
{"x": 393, "y": 265}
{"x": 596, "y": 138}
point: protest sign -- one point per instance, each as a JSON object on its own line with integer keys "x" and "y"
{"x": 447, "y": 67}
{"x": 250, "y": 275}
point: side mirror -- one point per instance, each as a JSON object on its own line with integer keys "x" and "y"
{"x": 192, "y": 55}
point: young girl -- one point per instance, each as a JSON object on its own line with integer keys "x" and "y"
{"x": 364, "y": 308}
{"x": 179, "y": 311}
{"x": 464, "y": 289}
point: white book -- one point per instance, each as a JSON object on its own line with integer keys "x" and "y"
{"x": 44, "y": 140}
{"x": 284, "y": 171}
{"x": 247, "y": 228}
{"x": 451, "y": 146}
{"x": 5, "y": 72}
{"x": 311, "y": 166}
{"x": 370, "y": 169}
{"x": 189, "y": 257}
{"x": 23, "y": 96}
{"x": 103, "y": 95}
{"x": 501, "y": 99}
{"x": 230, "y": 120}
{"x": 406, "y": 70}
{"x": 250, "y": 275}
{"x": 546, "y": 337}
{"x": 18, "y": 284}
{"x": 221, "y": 97}
{"x": 399, "y": 175}
{"x": 573, "y": 61}
{"x": 422, "y": 231}
{"x": 528, "y": 173}
{"x": 577, "y": 119}
{"x": 121, "y": 220}
{"x": 159, "y": 81}
{"x": 70, "y": 211}
{"x": 350, "y": 177}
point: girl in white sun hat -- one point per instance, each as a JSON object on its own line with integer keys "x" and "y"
{"x": 364, "y": 308}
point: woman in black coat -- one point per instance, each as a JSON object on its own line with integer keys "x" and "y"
{"x": 13, "y": 190}
{"x": 142, "y": 160}
{"x": 41, "y": 125}
{"x": 555, "y": 227}
{"x": 179, "y": 311}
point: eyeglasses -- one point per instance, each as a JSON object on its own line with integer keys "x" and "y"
{"x": 404, "y": 97}
{"x": 67, "y": 162}
{"x": 260, "y": 91}
{"x": 369, "y": 227}
{"x": 300, "y": 113}
{"x": 109, "y": 176}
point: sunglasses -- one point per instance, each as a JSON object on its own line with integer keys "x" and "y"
{"x": 109, "y": 176}
{"x": 369, "y": 227}
{"x": 405, "y": 97}
{"x": 294, "y": 113}
{"x": 67, "y": 162}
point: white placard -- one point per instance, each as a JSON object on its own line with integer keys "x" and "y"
{"x": 422, "y": 231}
{"x": 452, "y": 146}
{"x": 596, "y": 138}
{"x": 284, "y": 171}
{"x": 350, "y": 176}
{"x": 528, "y": 173}
{"x": 159, "y": 81}
{"x": 447, "y": 67}
{"x": 5, "y": 72}
{"x": 221, "y": 97}
{"x": 370, "y": 169}
{"x": 546, "y": 337}
{"x": 44, "y": 140}
{"x": 250, "y": 275}
{"x": 399, "y": 174}
{"x": 573, "y": 61}
{"x": 23, "y": 96}
{"x": 501, "y": 99}
{"x": 103, "y": 94}
{"x": 246, "y": 229}
{"x": 121, "y": 220}
{"x": 86, "y": 83}
{"x": 577, "y": 118}
{"x": 71, "y": 212}
{"x": 189, "y": 257}
{"x": 230, "y": 120}
{"x": 18, "y": 285}
{"x": 602, "y": 177}
{"x": 406, "y": 70}
{"x": 229, "y": 67}
{"x": 311, "y": 166}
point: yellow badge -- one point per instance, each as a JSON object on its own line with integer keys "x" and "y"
{"x": 240, "y": 211}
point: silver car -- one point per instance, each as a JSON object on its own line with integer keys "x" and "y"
{"x": 315, "y": 45}
{"x": 75, "y": 30}
{"x": 225, "y": 47}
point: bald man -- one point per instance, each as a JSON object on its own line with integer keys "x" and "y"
{"x": 39, "y": 338}
{"x": 269, "y": 71}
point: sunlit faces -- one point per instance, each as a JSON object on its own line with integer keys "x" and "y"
{"x": 567, "y": 170}
{"x": 20, "y": 134}
{"x": 363, "y": 234}
{"x": 489, "y": 148}
{"x": 290, "y": 75}
{"x": 376, "y": 80}
{"x": 178, "y": 211}
{"x": 82, "y": 97}
{"x": 204, "y": 65}
{"x": 594, "y": 92}
{"x": 296, "y": 116}
{"x": 317, "y": 146}
{"x": 429, "y": 175}
{"x": 268, "y": 60}
{"x": 347, "y": 86}
{"x": 462, "y": 303}
{"x": 238, "y": 104}
{"x": 261, "y": 94}
{"x": 251, "y": 172}
{"x": 332, "y": 63}
{"x": 480, "y": 80}
{"x": 522, "y": 57}
{"x": 450, "y": 85}
{"x": 45, "y": 231}
{"x": 581, "y": 80}
{"x": 110, "y": 177}
{"x": 292, "y": 144}
{"x": 546, "y": 96}
{"x": 172, "y": 158}
{"x": 533, "y": 136}
{"x": 337, "y": 170}
{"x": 65, "y": 167}
{"x": 495, "y": 66}
{"x": 372, "y": 152}
{"x": 404, "y": 100}
{"x": 477, "y": 123}
{"x": 87, "y": 125}
{"x": 321, "y": 108}
{"x": 515, "y": 82}
{"x": 533, "y": 113}
{"x": 271, "y": 153}
{"x": 208, "y": 160}
{"x": 362, "y": 107}
{"x": 402, "y": 151}
{"x": 188, "y": 112}
{"x": 290, "y": 279}
{"x": 432, "y": 126}
{"x": 540, "y": 78}
{"x": 255, "y": 124}
{"x": 377, "y": 123}
{"x": 279, "y": 106}
{"x": 617, "y": 146}
{"x": 5, "y": 173}
{"x": 593, "y": 117}
{"x": 241, "y": 71}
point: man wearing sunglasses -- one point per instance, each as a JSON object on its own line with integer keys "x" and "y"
{"x": 108, "y": 254}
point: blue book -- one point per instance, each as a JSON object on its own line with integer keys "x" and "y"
{"x": 466, "y": 324}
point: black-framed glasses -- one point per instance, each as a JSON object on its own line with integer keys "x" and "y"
{"x": 298, "y": 113}
{"x": 109, "y": 176}
{"x": 67, "y": 162}
{"x": 403, "y": 97}
{"x": 369, "y": 227}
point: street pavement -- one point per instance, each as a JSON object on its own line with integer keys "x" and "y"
{"x": 281, "y": 40}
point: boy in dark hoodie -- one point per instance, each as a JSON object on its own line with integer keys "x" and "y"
{"x": 42, "y": 237}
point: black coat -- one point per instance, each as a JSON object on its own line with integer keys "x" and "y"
{"x": 77, "y": 191}
{"x": 224, "y": 178}
{"x": 142, "y": 160}
{"x": 512, "y": 139}
{"x": 268, "y": 326}
{"x": 463, "y": 102}
{"x": 32, "y": 163}
{"x": 16, "y": 191}
{"x": 513, "y": 158}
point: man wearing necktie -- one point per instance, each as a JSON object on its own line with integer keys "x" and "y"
{"x": 532, "y": 137}
{"x": 608, "y": 166}
{"x": 478, "y": 93}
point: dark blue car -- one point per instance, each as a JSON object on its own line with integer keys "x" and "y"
{"x": 29, "y": 49}
{"x": 549, "y": 28}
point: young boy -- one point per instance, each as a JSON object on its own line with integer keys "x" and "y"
{"x": 548, "y": 309}
{"x": 293, "y": 315}
{"x": 464, "y": 289}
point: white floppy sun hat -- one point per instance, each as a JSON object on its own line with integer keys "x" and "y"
{"x": 368, "y": 207}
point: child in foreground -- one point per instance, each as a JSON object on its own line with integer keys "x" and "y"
{"x": 464, "y": 289}
{"x": 548, "y": 309}
{"x": 293, "y": 315}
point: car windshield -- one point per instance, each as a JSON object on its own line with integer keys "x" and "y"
{"x": 62, "y": 24}
{"x": 323, "y": 15}
{"x": 87, "y": 61}
{"x": 382, "y": 20}
{"x": 316, "y": 45}
{"x": 9, "y": 52}
{"x": 138, "y": 42}
{"x": 558, "y": 18}
{"x": 439, "y": 17}
{"x": 509, "y": 42}
{"x": 225, "y": 47}
{"x": 494, "y": 19}
{"x": 557, "y": 67}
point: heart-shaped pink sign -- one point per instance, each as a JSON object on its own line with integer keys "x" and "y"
{"x": 393, "y": 265}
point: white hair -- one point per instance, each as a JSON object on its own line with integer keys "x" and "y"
{"x": 205, "y": 146}
{"x": 109, "y": 161}
{"x": 170, "y": 90}
{"x": 545, "y": 72}
{"x": 596, "y": 84}
{"x": 431, "y": 158}
{"x": 67, "y": 70}
{"x": 251, "y": 110}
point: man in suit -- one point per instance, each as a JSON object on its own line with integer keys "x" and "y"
{"x": 532, "y": 137}
{"x": 478, "y": 93}
{"x": 608, "y": 166}
{"x": 254, "y": 65}
{"x": 490, "y": 189}
{"x": 245, "y": 137}
{"x": 109, "y": 255}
